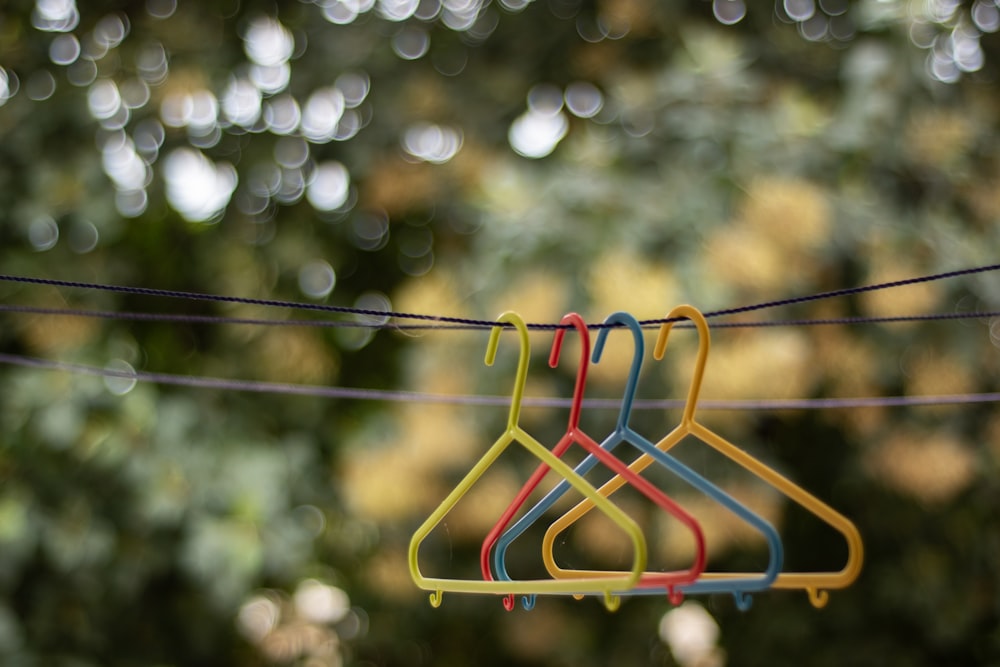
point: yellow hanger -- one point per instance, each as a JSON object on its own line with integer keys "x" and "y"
{"x": 815, "y": 584}
{"x": 514, "y": 433}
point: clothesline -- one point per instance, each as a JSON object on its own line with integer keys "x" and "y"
{"x": 382, "y": 317}
{"x": 352, "y": 393}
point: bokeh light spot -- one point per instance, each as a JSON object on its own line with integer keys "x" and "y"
{"x": 271, "y": 79}
{"x": 342, "y": 12}
{"x": 986, "y": 16}
{"x": 411, "y": 43}
{"x": 432, "y": 143}
{"x": 161, "y": 9}
{"x": 204, "y": 111}
{"x": 103, "y": 99}
{"x": 354, "y": 86}
{"x": 319, "y": 603}
{"x": 267, "y": 42}
{"x": 82, "y": 73}
{"x": 131, "y": 203}
{"x": 583, "y": 99}
{"x": 6, "y": 91}
{"x": 291, "y": 152}
{"x": 257, "y": 618}
{"x": 123, "y": 165}
{"x": 317, "y": 279}
{"x": 134, "y": 92}
{"x": 349, "y": 125}
{"x": 64, "y": 49}
{"x": 43, "y": 233}
{"x": 729, "y": 12}
{"x": 545, "y": 98}
{"x": 397, "y": 10}
{"x": 41, "y": 86}
{"x": 329, "y": 187}
{"x": 535, "y": 135}
{"x": 148, "y": 137}
{"x": 111, "y": 30}
{"x": 123, "y": 379}
{"x": 151, "y": 61}
{"x": 282, "y": 114}
{"x": 241, "y": 103}
{"x": 55, "y": 15}
{"x": 799, "y": 10}
{"x": 370, "y": 231}
{"x": 83, "y": 237}
{"x": 322, "y": 113}
{"x": 196, "y": 187}
{"x": 691, "y": 633}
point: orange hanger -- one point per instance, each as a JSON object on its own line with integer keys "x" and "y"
{"x": 816, "y": 584}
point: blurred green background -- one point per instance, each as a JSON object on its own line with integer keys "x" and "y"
{"x": 462, "y": 158}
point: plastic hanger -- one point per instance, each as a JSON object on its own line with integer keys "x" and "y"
{"x": 740, "y": 587}
{"x": 514, "y": 433}
{"x": 816, "y": 584}
{"x": 667, "y": 580}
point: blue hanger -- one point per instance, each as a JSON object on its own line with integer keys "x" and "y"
{"x": 739, "y": 587}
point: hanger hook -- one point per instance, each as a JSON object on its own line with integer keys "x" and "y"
{"x": 817, "y": 597}
{"x": 521, "y": 378}
{"x": 704, "y": 345}
{"x": 528, "y": 602}
{"x": 622, "y": 318}
{"x": 611, "y": 601}
{"x": 508, "y": 602}
{"x": 743, "y": 600}
{"x": 581, "y": 371}
{"x": 675, "y": 595}
{"x": 436, "y": 597}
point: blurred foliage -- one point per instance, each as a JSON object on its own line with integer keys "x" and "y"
{"x": 465, "y": 158}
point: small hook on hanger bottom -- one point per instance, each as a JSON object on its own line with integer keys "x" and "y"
{"x": 528, "y": 602}
{"x": 436, "y": 598}
{"x": 818, "y": 598}
{"x": 743, "y": 600}
{"x": 675, "y": 596}
{"x": 612, "y": 602}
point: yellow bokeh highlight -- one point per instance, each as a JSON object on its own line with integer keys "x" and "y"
{"x": 932, "y": 467}
{"x": 435, "y": 293}
{"x": 938, "y": 137}
{"x": 288, "y": 354}
{"x": 794, "y": 214}
{"x": 387, "y": 573}
{"x": 396, "y": 475}
{"x": 601, "y": 541}
{"x": 59, "y": 334}
{"x": 723, "y": 530}
{"x": 751, "y": 364}
{"x": 928, "y": 372}
{"x": 780, "y": 229}
{"x": 537, "y": 295}
{"x": 850, "y": 365}
{"x": 623, "y": 279}
{"x": 917, "y": 299}
{"x": 480, "y": 508}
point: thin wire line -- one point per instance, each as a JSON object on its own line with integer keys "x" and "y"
{"x": 848, "y": 291}
{"x": 219, "y": 319}
{"x": 350, "y": 393}
{"x": 478, "y": 323}
{"x": 183, "y": 318}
